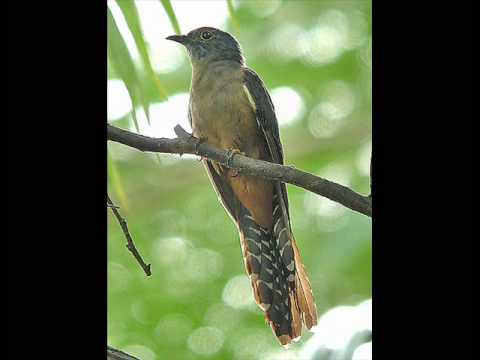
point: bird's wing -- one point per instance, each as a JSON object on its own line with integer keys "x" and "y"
{"x": 267, "y": 122}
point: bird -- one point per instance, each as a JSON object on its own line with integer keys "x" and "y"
{"x": 230, "y": 108}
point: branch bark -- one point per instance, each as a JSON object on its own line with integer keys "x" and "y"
{"x": 185, "y": 143}
{"x": 130, "y": 244}
{"x": 114, "y": 354}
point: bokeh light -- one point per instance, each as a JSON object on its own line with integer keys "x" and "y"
{"x": 192, "y": 14}
{"x": 139, "y": 312}
{"x": 337, "y": 100}
{"x": 289, "y": 106}
{"x": 171, "y": 251}
{"x": 120, "y": 277}
{"x": 202, "y": 265}
{"x": 206, "y": 340}
{"x": 166, "y": 55}
{"x": 263, "y": 8}
{"x": 251, "y": 344}
{"x": 363, "y": 352}
{"x": 118, "y": 100}
{"x": 173, "y": 329}
{"x": 337, "y": 327}
{"x": 284, "y": 41}
{"x": 222, "y": 317}
{"x": 238, "y": 292}
{"x": 323, "y": 207}
{"x": 164, "y": 116}
{"x": 321, "y": 45}
{"x": 364, "y": 159}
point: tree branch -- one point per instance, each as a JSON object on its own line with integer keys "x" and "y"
{"x": 126, "y": 232}
{"x": 114, "y": 354}
{"x": 185, "y": 143}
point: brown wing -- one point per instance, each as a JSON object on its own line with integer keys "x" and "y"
{"x": 301, "y": 292}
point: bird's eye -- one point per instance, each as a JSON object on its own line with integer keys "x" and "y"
{"x": 206, "y": 35}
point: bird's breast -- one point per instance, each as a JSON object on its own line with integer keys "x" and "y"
{"x": 222, "y": 114}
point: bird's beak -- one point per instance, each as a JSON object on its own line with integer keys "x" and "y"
{"x": 182, "y": 39}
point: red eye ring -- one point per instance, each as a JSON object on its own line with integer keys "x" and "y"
{"x": 206, "y": 35}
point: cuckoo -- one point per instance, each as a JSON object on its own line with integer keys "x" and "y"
{"x": 231, "y": 109}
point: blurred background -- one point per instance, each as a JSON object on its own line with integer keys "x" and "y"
{"x": 315, "y": 58}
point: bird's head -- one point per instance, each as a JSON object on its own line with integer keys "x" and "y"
{"x": 207, "y": 44}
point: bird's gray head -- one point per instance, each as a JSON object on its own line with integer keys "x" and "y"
{"x": 207, "y": 44}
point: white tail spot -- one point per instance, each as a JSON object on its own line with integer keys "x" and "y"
{"x": 291, "y": 266}
{"x": 259, "y": 259}
{"x": 255, "y": 231}
{"x": 276, "y": 224}
{"x": 275, "y": 209}
{"x": 269, "y": 284}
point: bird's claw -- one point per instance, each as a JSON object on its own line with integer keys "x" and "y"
{"x": 230, "y": 155}
{"x": 199, "y": 142}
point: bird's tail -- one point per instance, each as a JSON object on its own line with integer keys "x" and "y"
{"x": 280, "y": 284}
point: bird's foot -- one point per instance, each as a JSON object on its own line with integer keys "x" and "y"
{"x": 230, "y": 155}
{"x": 200, "y": 141}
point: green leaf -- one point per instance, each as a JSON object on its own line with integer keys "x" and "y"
{"x": 233, "y": 18}
{"x": 167, "y": 5}
{"x": 122, "y": 63}
{"x": 133, "y": 113}
{"x": 111, "y": 70}
{"x": 132, "y": 18}
{"x": 119, "y": 55}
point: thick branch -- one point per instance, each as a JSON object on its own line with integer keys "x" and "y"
{"x": 126, "y": 232}
{"x": 187, "y": 144}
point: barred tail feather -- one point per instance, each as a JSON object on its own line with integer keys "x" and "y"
{"x": 303, "y": 291}
{"x": 296, "y": 317}
{"x": 280, "y": 284}
{"x": 303, "y": 309}
{"x": 267, "y": 276}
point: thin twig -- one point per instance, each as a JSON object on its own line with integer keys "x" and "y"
{"x": 185, "y": 143}
{"x": 126, "y": 232}
{"x": 114, "y": 354}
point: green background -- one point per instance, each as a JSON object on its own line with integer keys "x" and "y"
{"x": 197, "y": 303}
